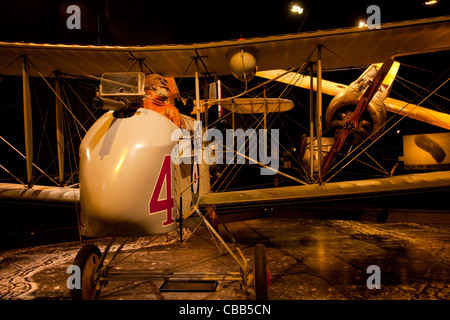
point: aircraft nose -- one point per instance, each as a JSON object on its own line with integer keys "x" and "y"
{"x": 122, "y": 172}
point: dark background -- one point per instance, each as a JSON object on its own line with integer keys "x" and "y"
{"x": 138, "y": 22}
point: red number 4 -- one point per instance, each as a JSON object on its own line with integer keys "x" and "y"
{"x": 158, "y": 205}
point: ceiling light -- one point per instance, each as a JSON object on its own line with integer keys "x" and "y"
{"x": 296, "y": 9}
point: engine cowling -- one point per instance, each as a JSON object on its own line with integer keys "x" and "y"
{"x": 124, "y": 166}
{"x": 341, "y": 109}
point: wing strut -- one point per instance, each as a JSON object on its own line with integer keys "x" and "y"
{"x": 311, "y": 119}
{"x": 27, "y": 121}
{"x": 197, "y": 89}
{"x": 319, "y": 111}
{"x": 59, "y": 128}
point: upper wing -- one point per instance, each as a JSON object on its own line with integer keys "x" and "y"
{"x": 342, "y": 48}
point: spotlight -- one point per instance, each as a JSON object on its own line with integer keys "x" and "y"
{"x": 296, "y": 9}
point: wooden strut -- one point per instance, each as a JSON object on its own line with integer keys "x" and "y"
{"x": 319, "y": 111}
{"x": 27, "y": 122}
{"x": 59, "y": 128}
{"x": 311, "y": 122}
{"x": 197, "y": 88}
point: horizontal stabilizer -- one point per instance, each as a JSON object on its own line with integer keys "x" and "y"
{"x": 302, "y": 81}
{"x": 250, "y": 105}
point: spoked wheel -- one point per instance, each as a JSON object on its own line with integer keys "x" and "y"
{"x": 88, "y": 260}
{"x": 261, "y": 275}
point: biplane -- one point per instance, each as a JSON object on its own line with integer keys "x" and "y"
{"x": 128, "y": 183}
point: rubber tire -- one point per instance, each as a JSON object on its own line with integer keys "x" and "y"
{"x": 86, "y": 259}
{"x": 261, "y": 282}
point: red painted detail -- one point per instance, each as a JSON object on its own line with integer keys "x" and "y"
{"x": 158, "y": 205}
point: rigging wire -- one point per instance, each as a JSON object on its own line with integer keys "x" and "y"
{"x": 43, "y": 133}
{"x": 44, "y": 119}
{"x": 420, "y": 87}
{"x": 12, "y": 175}
{"x": 258, "y": 123}
{"x": 23, "y": 156}
{"x": 63, "y": 103}
{"x": 65, "y": 80}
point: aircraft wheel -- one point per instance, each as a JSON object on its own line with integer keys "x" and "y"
{"x": 261, "y": 274}
{"x": 87, "y": 259}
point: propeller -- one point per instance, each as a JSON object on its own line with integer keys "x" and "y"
{"x": 351, "y": 125}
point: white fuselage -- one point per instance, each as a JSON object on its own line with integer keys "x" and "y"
{"x": 128, "y": 184}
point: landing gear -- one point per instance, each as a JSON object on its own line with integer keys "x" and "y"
{"x": 259, "y": 278}
{"x": 261, "y": 275}
{"x": 89, "y": 261}
{"x": 95, "y": 269}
